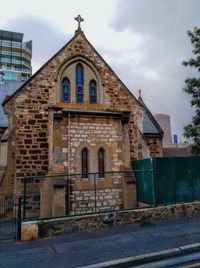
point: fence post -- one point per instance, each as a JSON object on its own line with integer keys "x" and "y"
{"x": 24, "y": 201}
{"x": 68, "y": 194}
{"x": 95, "y": 193}
{"x": 19, "y": 217}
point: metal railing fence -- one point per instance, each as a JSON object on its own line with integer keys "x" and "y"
{"x": 59, "y": 195}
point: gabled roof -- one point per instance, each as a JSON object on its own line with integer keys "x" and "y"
{"x": 150, "y": 125}
{"x": 77, "y": 32}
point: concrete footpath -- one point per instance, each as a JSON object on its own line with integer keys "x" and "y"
{"x": 110, "y": 247}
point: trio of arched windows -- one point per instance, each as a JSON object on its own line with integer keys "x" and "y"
{"x": 66, "y": 89}
{"x": 85, "y": 162}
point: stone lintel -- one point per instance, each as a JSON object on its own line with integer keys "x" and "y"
{"x": 59, "y": 113}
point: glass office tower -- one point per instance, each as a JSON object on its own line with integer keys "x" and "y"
{"x": 15, "y": 56}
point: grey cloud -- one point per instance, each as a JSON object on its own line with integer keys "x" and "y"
{"x": 163, "y": 24}
{"x": 158, "y": 17}
{"x": 47, "y": 40}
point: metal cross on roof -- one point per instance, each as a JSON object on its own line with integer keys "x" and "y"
{"x": 140, "y": 93}
{"x": 79, "y": 19}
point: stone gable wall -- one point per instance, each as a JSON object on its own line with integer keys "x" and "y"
{"x": 30, "y": 108}
{"x": 31, "y": 118}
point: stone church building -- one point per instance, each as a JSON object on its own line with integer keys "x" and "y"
{"x": 74, "y": 115}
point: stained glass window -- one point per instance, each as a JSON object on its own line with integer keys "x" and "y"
{"x": 79, "y": 83}
{"x": 93, "y": 92}
{"x": 66, "y": 90}
{"x": 101, "y": 162}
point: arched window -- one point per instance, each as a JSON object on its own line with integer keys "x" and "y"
{"x": 93, "y": 92}
{"x": 66, "y": 90}
{"x": 79, "y": 83}
{"x": 101, "y": 162}
{"x": 84, "y": 162}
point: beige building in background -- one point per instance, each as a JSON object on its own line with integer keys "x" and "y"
{"x": 165, "y": 123}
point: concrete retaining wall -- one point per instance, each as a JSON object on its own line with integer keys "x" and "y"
{"x": 46, "y": 228}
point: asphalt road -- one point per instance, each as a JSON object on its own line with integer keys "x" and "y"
{"x": 81, "y": 249}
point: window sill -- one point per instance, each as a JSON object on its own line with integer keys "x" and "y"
{"x": 102, "y": 179}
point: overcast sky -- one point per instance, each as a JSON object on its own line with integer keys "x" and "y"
{"x": 144, "y": 41}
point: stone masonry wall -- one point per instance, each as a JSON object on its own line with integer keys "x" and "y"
{"x": 7, "y": 182}
{"x": 94, "y": 133}
{"x": 47, "y": 228}
{"x": 97, "y": 133}
{"x": 91, "y": 132}
{"x": 155, "y": 147}
{"x": 28, "y": 109}
{"x": 31, "y": 135}
{"x": 83, "y": 202}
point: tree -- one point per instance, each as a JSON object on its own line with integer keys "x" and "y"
{"x": 192, "y": 87}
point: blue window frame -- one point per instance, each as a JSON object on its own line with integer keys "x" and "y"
{"x": 66, "y": 90}
{"x": 79, "y": 83}
{"x": 93, "y": 92}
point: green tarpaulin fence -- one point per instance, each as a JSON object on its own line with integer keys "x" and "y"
{"x": 167, "y": 180}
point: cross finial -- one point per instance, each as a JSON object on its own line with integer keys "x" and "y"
{"x": 79, "y": 19}
{"x": 140, "y": 93}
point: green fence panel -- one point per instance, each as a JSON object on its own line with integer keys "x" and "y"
{"x": 173, "y": 184}
{"x": 164, "y": 181}
{"x": 173, "y": 179}
{"x": 184, "y": 192}
{"x": 145, "y": 181}
{"x": 194, "y": 172}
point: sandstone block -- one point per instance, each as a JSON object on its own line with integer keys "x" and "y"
{"x": 29, "y": 231}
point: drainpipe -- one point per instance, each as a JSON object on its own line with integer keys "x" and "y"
{"x": 68, "y": 163}
{"x": 68, "y": 146}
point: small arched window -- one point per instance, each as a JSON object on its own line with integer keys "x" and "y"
{"x": 101, "y": 162}
{"x": 93, "y": 92}
{"x": 84, "y": 156}
{"x": 66, "y": 90}
{"x": 79, "y": 83}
